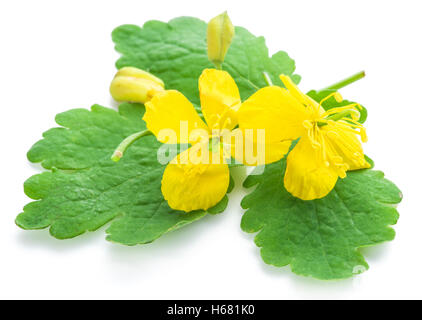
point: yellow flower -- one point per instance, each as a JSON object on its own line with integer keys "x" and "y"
{"x": 190, "y": 184}
{"x": 135, "y": 85}
{"x": 328, "y": 144}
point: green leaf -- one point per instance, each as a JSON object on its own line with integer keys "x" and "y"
{"x": 332, "y": 103}
{"x": 177, "y": 53}
{"x": 320, "y": 238}
{"x": 86, "y": 190}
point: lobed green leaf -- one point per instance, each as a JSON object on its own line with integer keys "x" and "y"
{"x": 320, "y": 238}
{"x": 176, "y": 52}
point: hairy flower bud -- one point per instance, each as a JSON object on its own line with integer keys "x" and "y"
{"x": 135, "y": 85}
{"x": 220, "y": 33}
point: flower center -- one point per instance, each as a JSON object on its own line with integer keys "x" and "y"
{"x": 326, "y": 151}
{"x": 347, "y": 116}
{"x": 344, "y": 118}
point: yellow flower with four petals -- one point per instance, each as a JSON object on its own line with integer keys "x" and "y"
{"x": 195, "y": 179}
{"x": 328, "y": 144}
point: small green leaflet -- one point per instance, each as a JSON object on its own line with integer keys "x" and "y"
{"x": 176, "y": 52}
{"x": 84, "y": 189}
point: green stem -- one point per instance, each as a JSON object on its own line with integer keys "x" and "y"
{"x": 218, "y": 65}
{"x": 118, "y": 153}
{"x": 267, "y": 78}
{"x": 347, "y": 81}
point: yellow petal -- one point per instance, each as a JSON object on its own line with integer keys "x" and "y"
{"x": 220, "y": 99}
{"x": 345, "y": 144}
{"x": 245, "y": 148}
{"x": 188, "y": 186}
{"x": 172, "y": 118}
{"x": 275, "y": 110}
{"x": 307, "y": 175}
{"x": 300, "y": 96}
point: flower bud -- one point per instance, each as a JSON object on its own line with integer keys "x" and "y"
{"x": 135, "y": 85}
{"x": 220, "y": 33}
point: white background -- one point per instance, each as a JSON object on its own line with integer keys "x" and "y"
{"x": 57, "y": 55}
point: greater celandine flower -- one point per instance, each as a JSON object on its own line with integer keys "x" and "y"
{"x": 196, "y": 179}
{"x": 328, "y": 145}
